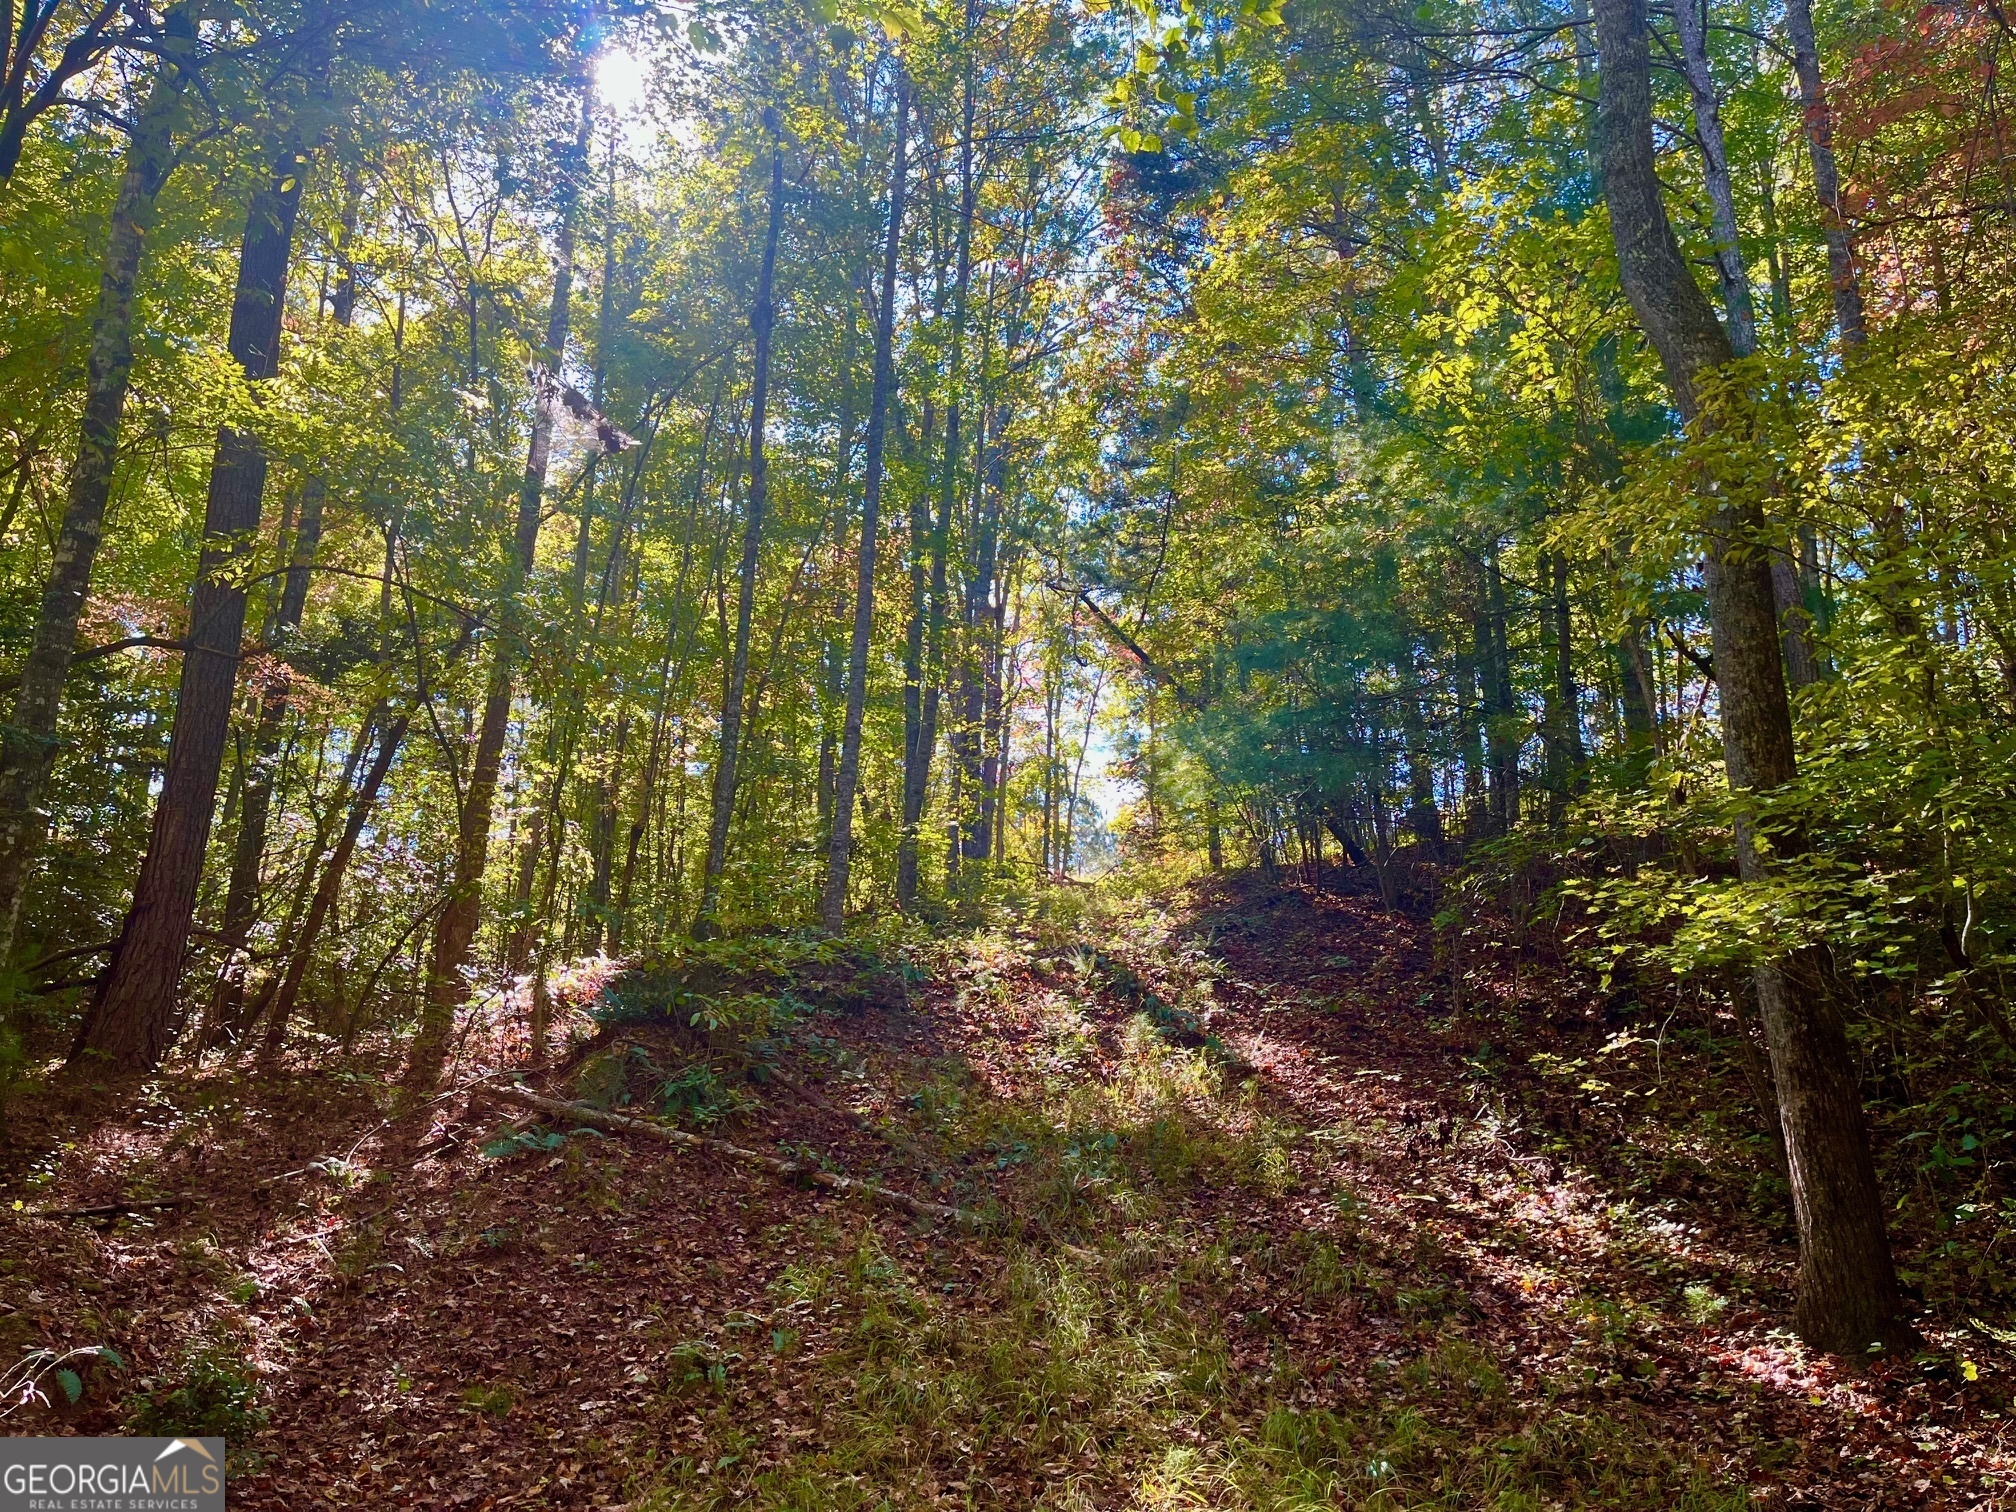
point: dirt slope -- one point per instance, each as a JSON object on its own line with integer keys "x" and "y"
{"x": 1269, "y": 1226}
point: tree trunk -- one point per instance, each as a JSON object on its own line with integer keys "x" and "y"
{"x": 1565, "y": 752}
{"x": 242, "y": 895}
{"x": 1500, "y": 711}
{"x": 761, "y": 321}
{"x": 1641, "y": 725}
{"x": 1691, "y": 20}
{"x": 133, "y": 1019}
{"x": 839, "y": 853}
{"x": 28, "y": 745}
{"x": 930, "y": 675}
{"x": 1826, "y": 173}
{"x": 331, "y": 884}
{"x": 248, "y": 853}
{"x": 993, "y": 731}
{"x": 455, "y": 928}
{"x": 1848, "y": 1293}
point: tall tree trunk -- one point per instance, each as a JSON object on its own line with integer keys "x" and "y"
{"x": 248, "y": 850}
{"x": 980, "y": 665}
{"x": 923, "y": 742}
{"x": 1566, "y": 714}
{"x": 840, "y": 847}
{"x": 242, "y": 895}
{"x": 133, "y": 1020}
{"x": 1500, "y": 710}
{"x": 1641, "y": 725}
{"x": 983, "y": 841}
{"x": 455, "y": 928}
{"x": 28, "y": 744}
{"x": 911, "y": 798}
{"x": 762, "y": 320}
{"x": 1826, "y": 172}
{"x": 968, "y": 735}
{"x": 1848, "y": 1293}
{"x": 1690, "y": 18}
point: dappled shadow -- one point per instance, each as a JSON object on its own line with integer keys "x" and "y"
{"x": 1267, "y": 1214}
{"x": 1574, "y": 1181}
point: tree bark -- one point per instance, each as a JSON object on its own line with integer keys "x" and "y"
{"x": 1848, "y": 1293}
{"x": 1826, "y": 173}
{"x": 248, "y": 851}
{"x": 242, "y": 894}
{"x": 762, "y": 320}
{"x": 847, "y": 778}
{"x": 133, "y": 1019}
{"x": 1500, "y": 709}
{"x": 28, "y": 745}
{"x": 1690, "y": 19}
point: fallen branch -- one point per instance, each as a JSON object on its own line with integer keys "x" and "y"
{"x": 114, "y": 1209}
{"x": 797, "y": 1170}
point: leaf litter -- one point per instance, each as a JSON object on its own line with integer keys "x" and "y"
{"x": 1272, "y": 1222}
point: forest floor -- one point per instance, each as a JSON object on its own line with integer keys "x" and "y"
{"x": 1269, "y": 1223}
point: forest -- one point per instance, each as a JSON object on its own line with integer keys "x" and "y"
{"x": 1012, "y": 753}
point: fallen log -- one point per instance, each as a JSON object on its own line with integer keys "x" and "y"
{"x": 796, "y": 1170}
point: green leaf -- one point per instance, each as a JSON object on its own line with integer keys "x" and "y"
{"x": 72, "y": 1384}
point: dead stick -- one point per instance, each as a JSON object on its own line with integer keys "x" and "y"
{"x": 616, "y": 1123}
{"x": 111, "y": 1209}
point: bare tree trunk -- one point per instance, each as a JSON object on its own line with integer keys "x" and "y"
{"x": 242, "y": 894}
{"x": 1691, "y": 20}
{"x": 761, "y": 322}
{"x": 1826, "y": 173}
{"x": 1500, "y": 710}
{"x": 133, "y": 1019}
{"x": 28, "y": 744}
{"x": 455, "y": 928}
{"x": 839, "y": 854}
{"x": 248, "y": 852}
{"x": 1848, "y": 1293}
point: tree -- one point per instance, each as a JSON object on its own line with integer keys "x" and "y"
{"x": 840, "y": 847}
{"x": 762, "y": 320}
{"x": 30, "y": 740}
{"x": 1848, "y": 1293}
{"x": 133, "y": 1020}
